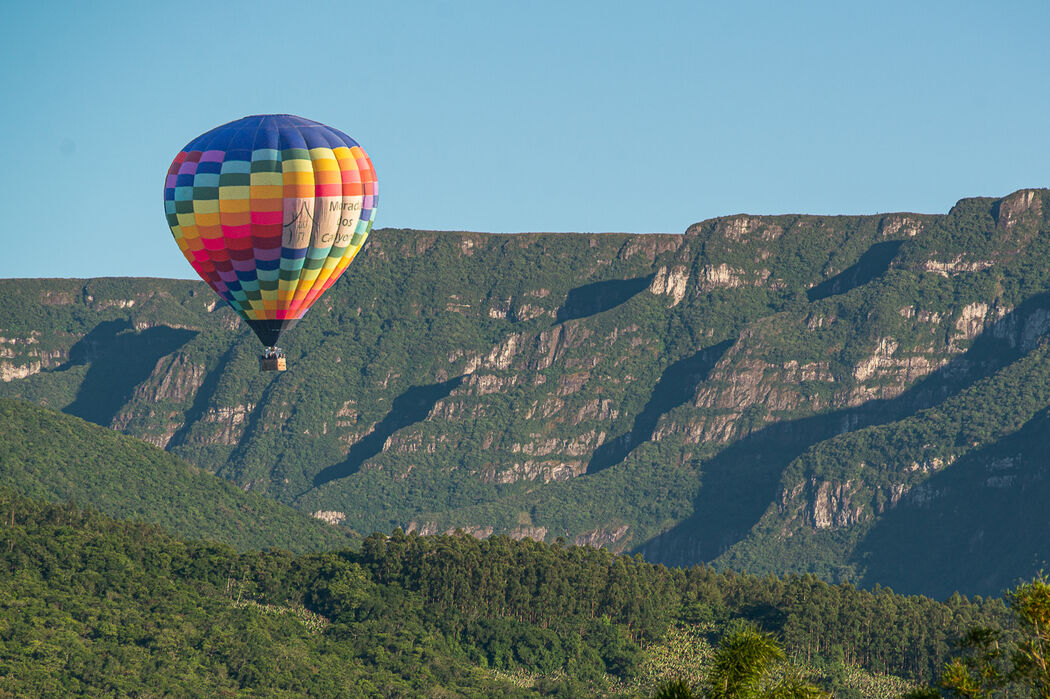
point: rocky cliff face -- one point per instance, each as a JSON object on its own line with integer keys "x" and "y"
{"x": 673, "y": 394}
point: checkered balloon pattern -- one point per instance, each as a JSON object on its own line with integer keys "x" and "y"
{"x": 270, "y": 210}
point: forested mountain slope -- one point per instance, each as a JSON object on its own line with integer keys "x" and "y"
{"x": 777, "y": 392}
{"x": 45, "y": 454}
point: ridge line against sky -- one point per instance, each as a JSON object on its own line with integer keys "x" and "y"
{"x": 515, "y": 117}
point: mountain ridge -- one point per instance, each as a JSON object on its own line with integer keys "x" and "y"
{"x": 567, "y": 356}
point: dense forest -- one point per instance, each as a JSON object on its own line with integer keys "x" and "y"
{"x": 93, "y": 605}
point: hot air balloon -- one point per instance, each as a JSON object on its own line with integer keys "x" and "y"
{"x": 270, "y": 210}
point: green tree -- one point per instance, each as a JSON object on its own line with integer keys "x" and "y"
{"x": 1031, "y": 605}
{"x": 743, "y": 658}
{"x": 984, "y": 670}
{"x": 982, "y": 667}
{"x": 675, "y": 689}
{"x": 748, "y": 663}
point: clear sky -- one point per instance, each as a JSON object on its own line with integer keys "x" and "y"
{"x": 520, "y": 116}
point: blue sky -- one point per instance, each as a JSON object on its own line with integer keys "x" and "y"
{"x": 524, "y": 116}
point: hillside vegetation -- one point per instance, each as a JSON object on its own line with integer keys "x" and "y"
{"x": 45, "y": 454}
{"x": 862, "y": 397}
{"x": 94, "y": 606}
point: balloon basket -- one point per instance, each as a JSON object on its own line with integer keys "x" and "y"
{"x": 273, "y": 359}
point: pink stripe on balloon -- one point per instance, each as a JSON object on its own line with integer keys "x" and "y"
{"x": 212, "y": 156}
{"x": 310, "y": 297}
{"x": 242, "y": 231}
{"x": 264, "y": 218}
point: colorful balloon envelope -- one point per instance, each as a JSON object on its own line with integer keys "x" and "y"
{"x": 270, "y": 210}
